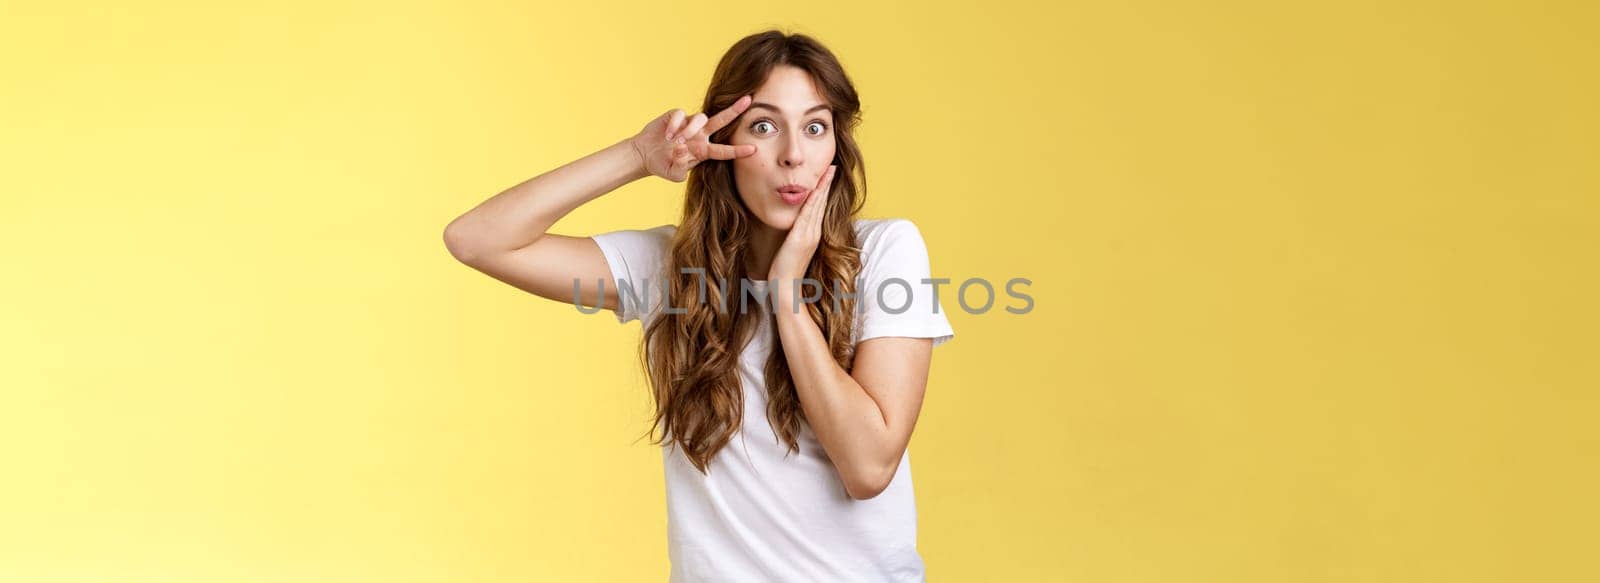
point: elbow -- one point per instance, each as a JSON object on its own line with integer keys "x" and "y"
{"x": 863, "y": 493}
{"x": 458, "y": 244}
{"x": 869, "y": 483}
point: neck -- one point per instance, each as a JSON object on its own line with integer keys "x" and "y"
{"x": 764, "y": 243}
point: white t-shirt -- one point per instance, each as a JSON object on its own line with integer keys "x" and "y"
{"x": 756, "y": 515}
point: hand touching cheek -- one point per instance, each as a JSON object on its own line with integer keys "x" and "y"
{"x": 801, "y": 243}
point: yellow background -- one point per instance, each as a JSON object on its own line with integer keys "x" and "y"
{"x": 1314, "y": 287}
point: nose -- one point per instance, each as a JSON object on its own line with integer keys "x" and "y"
{"x": 792, "y": 156}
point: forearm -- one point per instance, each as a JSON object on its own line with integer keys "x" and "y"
{"x": 519, "y": 215}
{"x": 848, "y": 422}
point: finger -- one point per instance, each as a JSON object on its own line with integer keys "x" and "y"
{"x": 822, "y": 205}
{"x": 674, "y": 121}
{"x": 811, "y": 219}
{"x": 729, "y": 152}
{"x": 826, "y": 192}
{"x": 692, "y": 129}
{"x": 811, "y": 215}
{"x": 680, "y": 167}
{"x": 726, "y": 116}
{"x": 818, "y": 200}
{"x": 826, "y": 181}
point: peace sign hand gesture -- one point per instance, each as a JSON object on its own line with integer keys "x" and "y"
{"x": 671, "y": 144}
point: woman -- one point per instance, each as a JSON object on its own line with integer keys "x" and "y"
{"x": 821, "y": 381}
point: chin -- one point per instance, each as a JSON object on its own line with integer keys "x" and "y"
{"x": 779, "y": 219}
{"x": 785, "y": 220}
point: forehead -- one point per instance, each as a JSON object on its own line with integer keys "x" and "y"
{"x": 790, "y": 89}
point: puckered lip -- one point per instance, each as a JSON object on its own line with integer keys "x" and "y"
{"x": 791, "y": 188}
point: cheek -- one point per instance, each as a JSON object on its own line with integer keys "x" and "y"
{"x": 751, "y": 171}
{"x": 747, "y": 175}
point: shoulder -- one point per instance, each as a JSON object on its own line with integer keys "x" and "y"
{"x": 887, "y": 235}
{"x": 634, "y": 253}
{"x": 875, "y": 232}
{"x": 661, "y": 233}
{"x": 891, "y": 247}
{"x": 642, "y": 240}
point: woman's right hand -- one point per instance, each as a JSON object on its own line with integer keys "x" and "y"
{"x": 672, "y": 143}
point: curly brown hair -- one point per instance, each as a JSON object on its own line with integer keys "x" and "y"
{"x": 692, "y": 358}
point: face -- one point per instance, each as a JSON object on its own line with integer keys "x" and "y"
{"x": 792, "y": 130}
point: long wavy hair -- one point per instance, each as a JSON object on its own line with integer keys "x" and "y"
{"x": 692, "y": 359}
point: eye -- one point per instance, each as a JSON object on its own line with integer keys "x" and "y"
{"x": 822, "y": 128}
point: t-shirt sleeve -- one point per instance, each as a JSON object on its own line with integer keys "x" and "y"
{"x": 635, "y": 257}
{"x": 894, "y": 300}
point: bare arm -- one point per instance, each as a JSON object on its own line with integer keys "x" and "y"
{"x": 507, "y": 238}
{"x": 862, "y": 417}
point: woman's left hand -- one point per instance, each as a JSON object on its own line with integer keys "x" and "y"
{"x": 801, "y": 243}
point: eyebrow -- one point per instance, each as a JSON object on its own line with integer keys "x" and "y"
{"x": 780, "y": 113}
